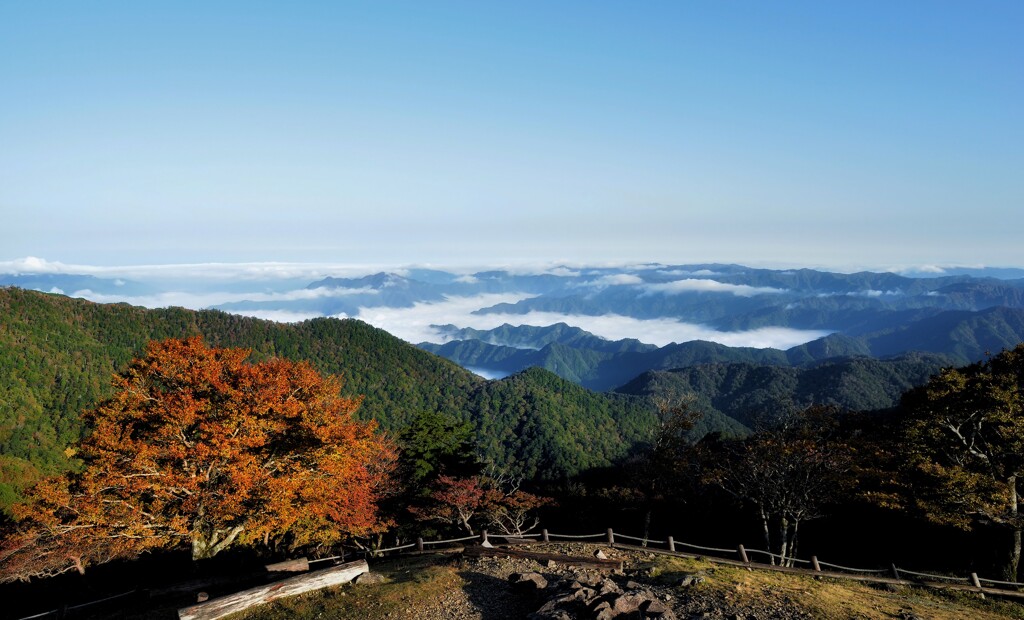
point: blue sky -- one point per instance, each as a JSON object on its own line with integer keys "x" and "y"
{"x": 844, "y": 134}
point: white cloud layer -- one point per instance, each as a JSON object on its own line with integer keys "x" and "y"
{"x": 414, "y": 324}
{"x": 201, "y": 300}
{"x": 691, "y": 285}
{"x": 199, "y": 271}
{"x": 618, "y": 279}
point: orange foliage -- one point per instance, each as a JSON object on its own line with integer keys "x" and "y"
{"x": 200, "y": 447}
{"x": 454, "y": 501}
{"x": 457, "y": 501}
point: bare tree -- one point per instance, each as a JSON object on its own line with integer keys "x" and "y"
{"x": 787, "y": 474}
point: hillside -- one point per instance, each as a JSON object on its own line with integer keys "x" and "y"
{"x": 949, "y": 338}
{"x": 57, "y": 355}
{"x": 547, "y": 427}
{"x": 746, "y": 392}
{"x": 581, "y": 357}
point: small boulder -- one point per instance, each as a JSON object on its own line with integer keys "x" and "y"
{"x": 657, "y": 609}
{"x": 690, "y": 580}
{"x": 609, "y": 587}
{"x": 528, "y": 581}
{"x": 627, "y": 603}
{"x": 368, "y": 579}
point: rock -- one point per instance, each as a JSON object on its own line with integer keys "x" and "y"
{"x": 368, "y": 579}
{"x": 627, "y": 603}
{"x": 609, "y": 587}
{"x": 528, "y": 581}
{"x": 552, "y": 564}
{"x": 202, "y": 597}
{"x": 690, "y": 580}
{"x": 657, "y": 609}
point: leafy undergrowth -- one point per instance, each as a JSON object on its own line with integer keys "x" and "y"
{"x": 433, "y": 587}
{"x": 829, "y": 598}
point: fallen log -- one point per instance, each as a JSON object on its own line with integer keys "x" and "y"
{"x": 239, "y": 601}
{"x": 476, "y": 551}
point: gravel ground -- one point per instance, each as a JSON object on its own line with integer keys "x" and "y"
{"x": 488, "y": 594}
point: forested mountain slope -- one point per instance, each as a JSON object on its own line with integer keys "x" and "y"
{"x": 960, "y": 336}
{"x": 594, "y": 368}
{"x": 57, "y": 355}
{"x": 748, "y": 392}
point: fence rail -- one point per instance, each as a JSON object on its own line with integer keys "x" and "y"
{"x": 740, "y": 552}
{"x": 736, "y": 556}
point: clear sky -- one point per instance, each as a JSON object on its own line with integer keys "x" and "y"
{"x": 863, "y": 133}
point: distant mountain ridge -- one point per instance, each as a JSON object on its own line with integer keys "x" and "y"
{"x": 959, "y": 337}
{"x": 606, "y": 366}
{"x": 753, "y": 394}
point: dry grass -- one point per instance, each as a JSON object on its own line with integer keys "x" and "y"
{"x": 832, "y": 598}
{"x": 413, "y": 586}
{"x": 433, "y": 587}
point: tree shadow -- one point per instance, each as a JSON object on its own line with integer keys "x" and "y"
{"x": 496, "y": 599}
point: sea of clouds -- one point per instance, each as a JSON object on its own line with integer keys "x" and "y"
{"x": 210, "y": 285}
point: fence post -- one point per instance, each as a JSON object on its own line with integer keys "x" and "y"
{"x": 977, "y": 584}
{"x": 419, "y": 544}
{"x": 611, "y": 537}
{"x": 814, "y": 563}
{"x": 743, "y": 554}
{"x": 671, "y": 544}
{"x": 483, "y": 537}
{"x": 544, "y": 535}
{"x": 895, "y": 571}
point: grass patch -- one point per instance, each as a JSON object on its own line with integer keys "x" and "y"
{"x": 411, "y": 584}
{"x": 830, "y": 598}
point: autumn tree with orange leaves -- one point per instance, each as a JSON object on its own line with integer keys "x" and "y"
{"x": 201, "y": 448}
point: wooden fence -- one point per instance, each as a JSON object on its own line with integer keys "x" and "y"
{"x": 741, "y": 556}
{"x": 737, "y": 556}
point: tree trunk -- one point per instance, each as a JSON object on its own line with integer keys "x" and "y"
{"x": 213, "y": 542}
{"x": 767, "y": 534}
{"x": 647, "y": 524}
{"x": 1011, "y": 569}
{"x": 792, "y": 542}
{"x": 467, "y": 526}
{"x": 1014, "y": 561}
{"x": 783, "y": 540}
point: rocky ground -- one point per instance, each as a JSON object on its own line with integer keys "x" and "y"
{"x": 521, "y": 588}
{"x": 640, "y": 584}
{"x": 467, "y": 586}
